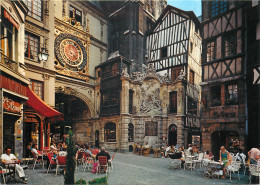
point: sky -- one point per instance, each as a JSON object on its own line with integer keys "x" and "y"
{"x": 187, "y": 5}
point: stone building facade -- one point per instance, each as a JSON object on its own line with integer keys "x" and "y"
{"x": 13, "y": 82}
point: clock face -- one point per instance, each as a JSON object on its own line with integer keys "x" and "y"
{"x": 70, "y": 52}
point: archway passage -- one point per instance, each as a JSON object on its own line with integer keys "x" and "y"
{"x": 172, "y": 136}
{"x": 74, "y": 109}
{"x": 227, "y": 139}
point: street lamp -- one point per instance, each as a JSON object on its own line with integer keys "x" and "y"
{"x": 43, "y": 55}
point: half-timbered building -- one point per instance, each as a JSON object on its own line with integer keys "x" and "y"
{"x": 224, "y": 95}
{"x": 253, "y": 74}
{"x": 174, "y": 48}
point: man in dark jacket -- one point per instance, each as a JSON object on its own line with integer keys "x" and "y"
{"x": 103, "y": 153}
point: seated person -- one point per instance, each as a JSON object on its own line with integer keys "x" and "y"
{"x": 64, "y": 146}
{"x": 172, "y": 150}
{"x": 103, "y": 153}
{"x": 8, "y": 157}
{"x": 137, "y": 148}
{"x": 146, "y": 146}
{"x": 167, "y": 150}
{"x": 190, "y": 148}
{"x": 207, "y": 155}
{"x": 182, "y": 155}
{"x": 195, "y": 151}
{"x": 29, "y": 148}
{"x": 163, "y": 152}
{"x": 88, "y": 151}
{"x": 54, "y": 149}
{"x": 39, "y": 156}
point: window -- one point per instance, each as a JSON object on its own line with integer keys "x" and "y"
{"x": 176, "y": 72}
{"x": 131, "y": 101}
{"x": 151, "y": 128}
{"x": 115, "y": 69}
{"x": 229, "y": 45}
{"x": 31, "y": 46}
{"x": 191, "y": 77}
{"x": 110, "y": 97}
{"x": 114, "y": 96}
{"x": 37, "y": 88}
{"x": 215, "y": 95}
{"x": 110, "y": 132}
{"x": 106, "y": 71}
{"x": 35, "y": 8}
{"x": 231, "y": 94}
{"x": 78, "y": 14}
{"x": 164, "y": 52}
{"x": 218, "y": 7}
{"x": 130, "y": 132}
{"x": 105, "y": 98}
{"x": 173, "y": 102}
{"x": 211, "y": 51}
{"x": 7, "y": 34}
{"x": 192, "y": 106}
{"x": 191, "y": 47}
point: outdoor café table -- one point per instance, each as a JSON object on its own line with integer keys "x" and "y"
{"x": 12, "y": 165}
{"x": 156, "y": 152}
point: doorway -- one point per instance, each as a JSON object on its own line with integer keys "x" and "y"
{"x": 172, "y": 136}
{"x": 97, "y": 138}
{"x": 8, "y": 131}
{"x": 222, "y": 138}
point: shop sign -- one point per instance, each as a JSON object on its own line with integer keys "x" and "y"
{"x": 11, "y": 106}
{"x": 11, "y": 19}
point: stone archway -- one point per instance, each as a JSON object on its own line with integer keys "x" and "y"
{"x": 70, "y": 91}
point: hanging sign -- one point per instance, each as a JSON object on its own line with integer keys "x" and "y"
{"x": 11, "y": 106}
{"x": 11, "y": 19}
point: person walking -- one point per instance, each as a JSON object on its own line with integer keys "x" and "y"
{"x": 224, "y": 157}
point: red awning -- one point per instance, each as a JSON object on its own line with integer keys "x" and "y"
{"x": 41, "y": 107}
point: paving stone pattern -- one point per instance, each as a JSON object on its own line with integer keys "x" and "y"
{"x": 133, "y": 169}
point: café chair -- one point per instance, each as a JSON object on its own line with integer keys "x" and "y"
{"x": 102, "y": 164}
{"x": 52, "y": 162}
{"x": 37, "y": 160}
{"x": 60, "y": 162}
{"x": 110, "y": 161}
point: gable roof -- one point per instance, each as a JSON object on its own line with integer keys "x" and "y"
{"x": 169, "y": 8}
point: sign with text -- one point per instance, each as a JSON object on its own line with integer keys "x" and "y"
{"x": 11, "y": 106}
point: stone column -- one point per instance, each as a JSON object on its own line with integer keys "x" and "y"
{"x": 125, "y": 95}
{"x": 124, "y": 112}
{"x": 180, "y": 131}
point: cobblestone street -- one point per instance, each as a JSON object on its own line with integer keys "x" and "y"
{"x": 130, "y": 168}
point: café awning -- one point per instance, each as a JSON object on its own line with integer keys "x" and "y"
{"x": 39, "y": 106}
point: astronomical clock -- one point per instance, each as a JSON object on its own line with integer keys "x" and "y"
{"x": 71, "y": 48}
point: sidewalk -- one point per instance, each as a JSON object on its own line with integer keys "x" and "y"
{"x": 133, "y": 169}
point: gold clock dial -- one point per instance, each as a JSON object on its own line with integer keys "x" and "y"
{"x": 71, "y": 52}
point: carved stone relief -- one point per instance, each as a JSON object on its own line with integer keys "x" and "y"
{"x": 150, "y": 98}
